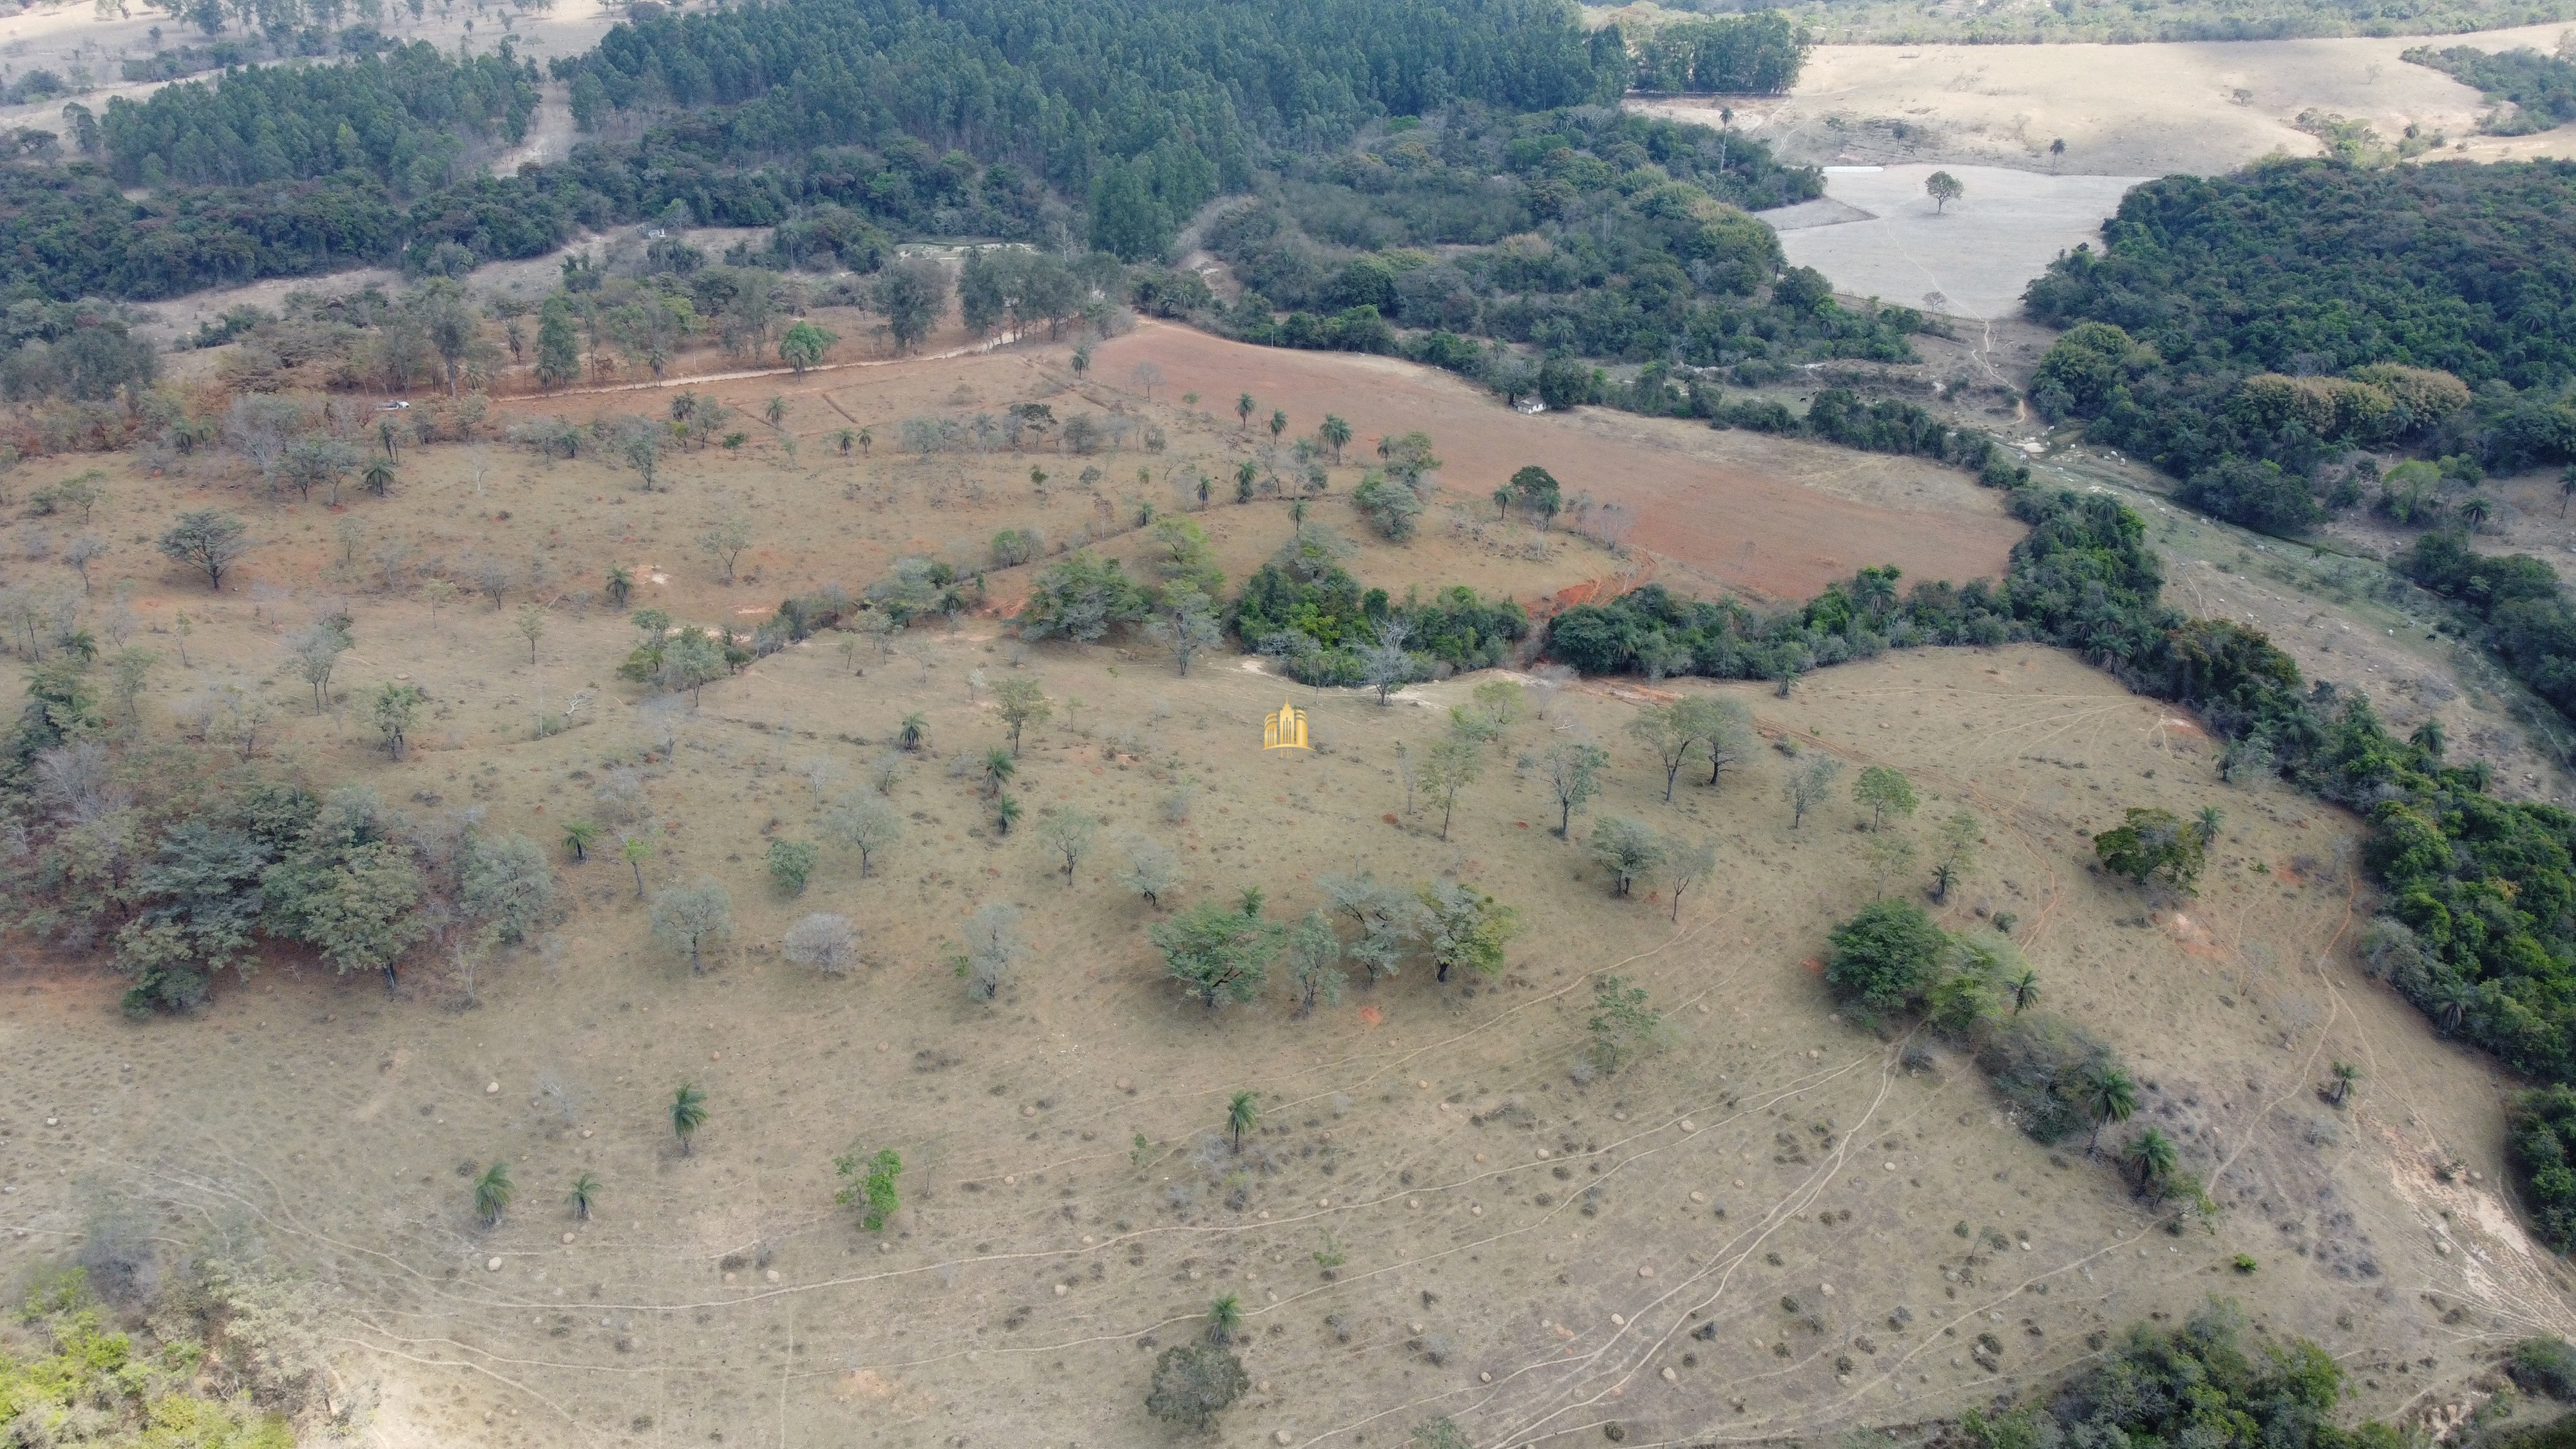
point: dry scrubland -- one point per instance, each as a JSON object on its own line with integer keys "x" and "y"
{"x": 1532, "y": 1253}
{"x": 2123, "y": 110}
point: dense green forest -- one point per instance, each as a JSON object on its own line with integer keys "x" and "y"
{"x": 405, "y": 119}
{"x": 2274, "y": 338}
{"x": 2540, "y": 90}
{"x": 1759, "y": 54}
{"x": 1910, "y": 22}
{"x": 1107, "y": 121}
{"x": 1579, "y": 233}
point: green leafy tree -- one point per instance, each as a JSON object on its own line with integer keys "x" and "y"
{"x": 868, "y": 1183}
{"x": 1673, "y": 733}
{"x": 558, "y": 345}
{"x": 2152, "y": 843}
{"x": 393, "y": 709}
{"x": 1220, "y": 955}
{"x": 1242, "y": 1113}
{"x": 1022, "y": 702}
{"x": 578, "y": 837}
{"x": 583, "y": 1197}
{"x": 1808, "y": 787}
{"x": 1627, "y": 850}
{"x": 1462, "y": 926}
{"x": 910, "y": 296}
{"x": 1943, "y": 188}
{"x": 2343, "y": 1078}
{"x": 1314, "y": 962}
{"x": 688, "y": 1114}
{"x": 2023, "y": 989}
{"x": 1193, "y": 1383}
{"x": 1449, "y": 767}
{"x": 1539, "y": 493}
{"x": 207, "y": 540}
{"x": 1573, "y": 770}
{"x": 805, "y": 345}
{"x": 1622, "y": 1025}
{"x": 1885, "y": 957}
{"x": 791, "y": 864}
{"x": 1885, "y": 793}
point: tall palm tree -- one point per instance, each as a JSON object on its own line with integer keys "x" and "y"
{"x": 688, "y": 1114}
{"x": 492, "y": 1194}
{"x": 2206, "y": 823}
{"x": 2151, "y": 1156}
{"x": 2452, "y": 997}
{"x": 2108, "y": 1096}
{"x": 1242, "y": 1110}
{"x": 2023, "y": 989}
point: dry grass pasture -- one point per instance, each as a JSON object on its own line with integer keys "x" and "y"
{"x": 1772, "y": 1227}
{"x": 2200, "y": 107}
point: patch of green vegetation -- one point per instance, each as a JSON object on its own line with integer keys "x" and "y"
{"x": 67, "y": 1374}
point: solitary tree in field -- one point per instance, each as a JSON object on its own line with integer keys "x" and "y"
{"x": 1943, "y": 188}
{"x": 1448, "y": 767}
{"x": 208, "y": 541}
{"x": 693, "y": 918}
{"x": 867, "y": 825}
{"x": 1242, "y": 1110}
{"x": 1627, "y": 850}
{"x": 2345, "y": 1074}
{"x": 1688, "y": 864}
{"x": 1807, "y": 788}
{"x": 584, "y": 1196}
{"x": 1885, "y": 792}
{"x": 635, "y": 848}
{"x": 1022, "y": 703}
{"x": 492, "y": 1194}
{"x": 688, "y": 1114}
{"x": 1574, "y": 769}
{"x": 2056, "y": 149}
{"x": 1069, "y": 833}
{"x": 1243, "y": 410}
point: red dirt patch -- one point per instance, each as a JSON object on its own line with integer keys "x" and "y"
{"x": 1778, "y": 531}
